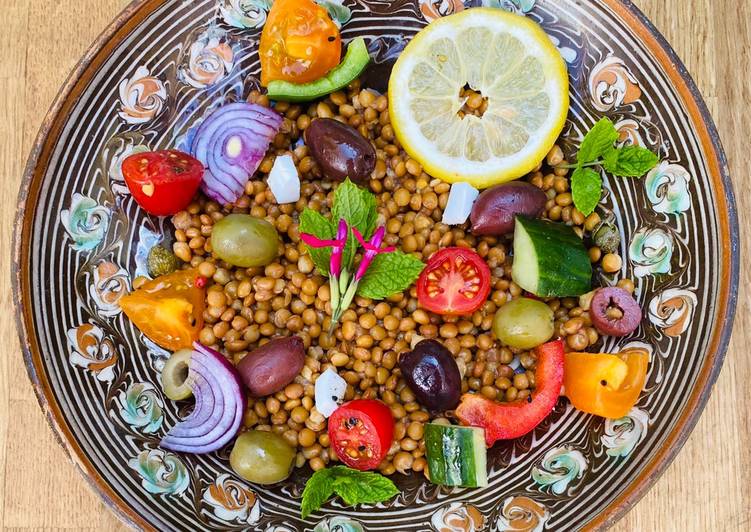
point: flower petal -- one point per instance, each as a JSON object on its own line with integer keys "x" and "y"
{"x": 315, "y": 242}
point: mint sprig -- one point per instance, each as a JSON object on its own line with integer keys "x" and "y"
{"x": 597, "y": 150}
{"x": 388, "y": 274}
{"x": 354, "y": 487}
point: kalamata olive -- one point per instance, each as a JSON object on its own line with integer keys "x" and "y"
{"x": 432, "y": 374}
{"x": 245, "y": 241}
{"x": 271, "y": 367}
{"x": 614, "y": 311}
{"x": 494, "y": 210}
{"x": 340, "y": 150}
{"x": 262, "y": 457}
{"x": 524, "y": 323}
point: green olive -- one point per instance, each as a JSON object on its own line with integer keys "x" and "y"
{"x": 262, "y": 457}
{"x": 175, "y": 375}
{"x": 245, "y": 241}
{"x": 524, "y": 323}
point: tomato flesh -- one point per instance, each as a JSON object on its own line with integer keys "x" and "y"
{"x": 168, "y": 309}
{"x": 361, "y": 432}
{"x": 163, "y": 182}
{"x": 506, "y": 421}
{"x": 603, "y": 384}
{"x": 456, "y": 281}
{"x": 300, "y": 43}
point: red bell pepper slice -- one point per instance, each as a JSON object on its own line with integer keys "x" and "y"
{"x": 506, "y": 421}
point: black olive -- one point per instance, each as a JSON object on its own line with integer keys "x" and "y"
{"x": 340, "y": 150}
{"x": 432, "y": 374}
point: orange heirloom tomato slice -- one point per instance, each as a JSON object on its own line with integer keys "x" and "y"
{"x": 168, "y": 309}
{"x": 300, "y": 43}
{"x": 603, "y": 384}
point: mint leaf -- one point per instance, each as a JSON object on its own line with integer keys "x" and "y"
{"x": 597, "y": 142}
{"x": 388, "y": 274}
{"x": 357, "y": 206}
{"x": 610, "y": 158}
{"x": 360, "y": 487}
{"x": 318, "y": 489}
{"x": 354, "y": 487}
{"x": 586, "y": 188}
{"x": 314, "y": 223}
{"x": 630, "y": 161}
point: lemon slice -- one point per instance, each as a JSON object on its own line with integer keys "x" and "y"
{"x": 513, "y": 64}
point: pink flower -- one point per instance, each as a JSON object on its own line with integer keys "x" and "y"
{"x": 336, "y": 245}
{"x": 372, "y": 249}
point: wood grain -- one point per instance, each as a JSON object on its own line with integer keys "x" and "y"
{"x": 706, "y": 488}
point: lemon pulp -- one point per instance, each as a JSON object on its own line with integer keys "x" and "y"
{"x": 508, "y": 59}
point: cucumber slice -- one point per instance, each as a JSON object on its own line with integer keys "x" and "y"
{"x": 354, "y": 62}
{"x": 456, "y": 456}
{"x": 550, "y": 260}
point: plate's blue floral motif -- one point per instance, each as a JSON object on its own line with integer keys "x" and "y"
{"x": 458, "y": 517}
{"x": 650, "y": 251}
{"x": 667, "y": 188}
{"x": 673, "y": 310}
{"x": 559, "y": 467}
{"x": 142, "y": 97}
{"x": 210, "y": 60}
{"x": 86, "y": 222}
{"x": 622, "y": 435}
{"x": 338, "y": 524}
{"x": 91, "y": 350}
{"x": 141, "y": 407}
{"x": 515, "y": 6}
{"x": 522, "y": 514}
{"x": 232, "y": 501}
{"x": 161, "y": 472}
{"x": 245, "y": 14}
{"x": 338, "y": 12}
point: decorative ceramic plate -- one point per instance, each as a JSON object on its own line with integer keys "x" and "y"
{"x": 80, "y": 240}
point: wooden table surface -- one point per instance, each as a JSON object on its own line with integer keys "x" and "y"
{"x": 705, "y": 489}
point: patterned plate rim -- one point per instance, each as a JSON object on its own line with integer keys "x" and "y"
{"x": 137, "y": 11}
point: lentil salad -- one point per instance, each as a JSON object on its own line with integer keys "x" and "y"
{"x": 246, "y": 308}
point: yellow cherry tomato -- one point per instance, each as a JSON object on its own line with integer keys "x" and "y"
{"x": 300, "y": 43}
{"x": 603, "y": 384}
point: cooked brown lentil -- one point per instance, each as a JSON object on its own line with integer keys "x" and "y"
{"x": 246, "y": 307}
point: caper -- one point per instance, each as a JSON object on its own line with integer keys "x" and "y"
{"x": 607, "y": 238}
{"x": 161, "y": 261}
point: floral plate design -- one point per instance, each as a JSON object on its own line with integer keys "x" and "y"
{"x": 80, "y": 240}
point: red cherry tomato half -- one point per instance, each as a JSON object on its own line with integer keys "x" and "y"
{"x": 361, "y": 432}
{"x": 163, "y": 182}
{"x": 456, "y": 281}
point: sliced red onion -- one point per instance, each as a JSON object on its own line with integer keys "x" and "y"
{"x": 220, "y": 405}
{"x": 231, "y": 143}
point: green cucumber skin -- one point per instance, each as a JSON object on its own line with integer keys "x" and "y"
{"x": 563, "y": 261}
{"x": 456, "y": 455}
{"x": 353, "y": 64}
